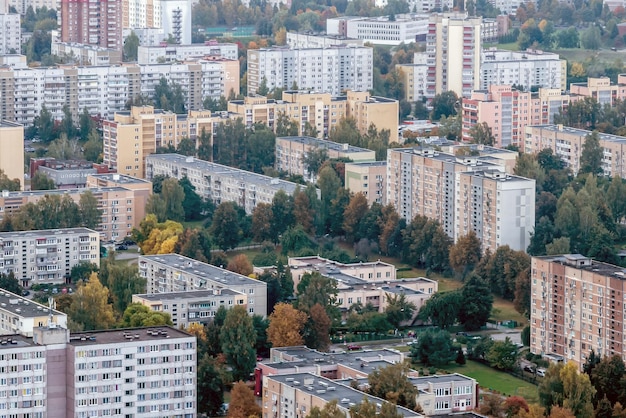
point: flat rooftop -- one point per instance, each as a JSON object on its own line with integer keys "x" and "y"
{"x": 498, "y": 175}
{"x": 120, "y": 178}
{"x": 7, "y": 124}
{"x": 585, "y": 263}
{"x": 46, "y": 233}
{"x": 17, "y": 305}
{"x": 199, "y": 269}
{"x": 123, "y": 335}
{"x": 329, "y": 390}
{"x": 302, "y": 353}
{"x": 428, "y": 152}
{"x": 20, "y": 194}
{"x": 192, "y": 294}
{"x": 15, "y": 341}
{"x": 323, "y": 143}
{"x": 440, "y": 378}
{"x": 247, "y": 177}
{"x": 369, "y": 163}
{"x": 580, "y": 132}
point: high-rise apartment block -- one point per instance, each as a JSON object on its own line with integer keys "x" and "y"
{"x": 218, "y": 182}
{"x": 292, "y": 151}
{"x": 330, "y": 70}
{"x": 10, "y": 33}
{"x": 134, "y": 134}
{"x": 462, "y": 193}
{"x": 92, "y": 22}
{"x": 369, "y": 178}
{"x": 567, "y": 143}
{"x": 123, "y": 207}
{"x": 104, "y": 90}
{"x": 192, "y": 307}
{"x": 175, "y": 273}
{"x": 526, "y": 69}
{"x": 155, "y": 54}
{"x": 123, "y": 372}
{"x": 323, "y": 111}
{"x": 577, "y": 305}
{"x": 508, "y": 111}
{"x": 22, "y": 5}
{"x": 453, "y": 48}
{"x": 12, "y": 150}
{"x": 47, "y": 256}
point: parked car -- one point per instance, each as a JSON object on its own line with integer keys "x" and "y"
{"x": 121, "y": 247}
{"x": 25, "y": 292}
{"x": 541, "y": 372}
{"x": 413, "y": 341}
{"x": 29, "y": 149}
{"x": 354, "y": 347}
{"x": 529, "y": 368}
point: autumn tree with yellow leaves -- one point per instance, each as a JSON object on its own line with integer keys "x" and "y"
{"x": 286, "y": 326}
{"x": 90, "y": 308}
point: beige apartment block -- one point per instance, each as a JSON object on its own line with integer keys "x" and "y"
{"x": 12, "y": 150}
{"x": 292, "y": 150}
{"x": 47, "y": 256}
{"x": 135, "y": 134}
{"x": 119, "y": 205}
{"x": 501, "y": 156}
{"x": 320, "y": 110}
{"x": 576, "y": 307}
{"x": 19, "y": 315}
{"x": 368, "y": 178}
{"x": 601, "y": 89}
{"x": 567, "y": 143}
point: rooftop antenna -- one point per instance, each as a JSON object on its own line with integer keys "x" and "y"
{"x": 51, "y": 306}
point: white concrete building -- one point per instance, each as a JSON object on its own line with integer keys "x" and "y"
{"x": 415, "y": 77}
{"x": 380, "y": 30}
{"x": 532, "y": 68}
{"x": 453, "y": 47}
{"x": 10, "y": 33}
{"x": 329, "y": 70}
{"x": 176, "y": 20}
{"x": 159, "y": 54}
{"x": 219, "y": 182}
{"x": 193, "y": 307}
{"x": 47, "y": 256}
{"x": 147, "y": 36}
{"x": 306, "y": 40}
{"x": 19, "y": 315}
{"x": 176, "y": 273}
{"x": 87, "y": 54}
{"x": 22, "y": 5}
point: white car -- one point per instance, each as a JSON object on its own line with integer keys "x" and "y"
{"x": 414, "y": 341}
{"x": 541, "y": 372}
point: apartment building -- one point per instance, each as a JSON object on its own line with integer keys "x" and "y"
{"x": 453, "y": 48}
{"x": 568, "y": 143}
{"x": 414, "y": 77}
{"x": 503, "y": 157}
{"x": 10, "y": 33}
{"x": 19, "y": 315}
{"x": 47, "y": 256}
{"x": 175, "y": 273}
{"x": 576, "y": 306}
{"x": 66, "y": 174}
{"x": 87, "y": 54}
{"x": 218, "y": 182}
{"x": 526, "y": 69}
{"x": 428, "y": 183}
{"x": 22, "y": 5}
{"x": 134, "y": 134}
{"x": 368, "y": 178}
{"x": 192, "y": 307}
{"x": 105, "y": 90}
{"x": 92, "y": 23}
{"x": 291, "y": 151}
{"x": 12, "y": 150}
{"x": 498, "y": 207}
{"x": 599, "y": 89}
{"x": 147, "y": 36}
{"x": 333, "y": 69}
{"x": 381, "y": 30}
{"x": 308, "y": 40}
{"x": 321, "y": 110}
{"x": 168, "y": 53}
{"x": 122, "y": 208}
{"x": 446, "y": 394}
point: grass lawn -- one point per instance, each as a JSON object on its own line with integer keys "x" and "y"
{"x": 581, "y": 55}
{"x": 503, "y": 310}
{"x": 496, "y": 380}
{"x": 513, "y": 46}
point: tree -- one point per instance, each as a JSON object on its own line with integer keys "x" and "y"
{"x": 211, "y": 385}
{"x": 192, "y": 202}
{"x": 398, "y": 310}
{"x": 41, "y": 182}
{"x": 90, "y": 214}
{"x": 8, "y": 184}
{"x": 262, "y": 222}
{"x": 90, "y": 309}
{"x": 354, "y": 214}
{"x": 205, "y": 146}
{"x": 522, "y": 292}
{"x": 63, "y": 148}
{"x": 194, "y": 243}
{"x": 85, "y": 124}
{"x": 67, "y": 123}
{"x": 240, "y": 265}
{"x": 442, "y": 309}
{"x": 131, "y": 46}
{"x": 477, "y": 302}
{"x": 44, "y": 125}
{"x": 425, "y": 244}
{"x": 460, "y": 357}
{"x": 503, "y": 354}
{"x": 238, "y": 340}
{"x": 591, "y": 156}
{"x": 225, "y": 227}
{"x": 367, "y": 409}
{"x": 434, "y": 348}
{"x": 513, "y": 405}
{"x": 558, "y": 246}
{"x": 578, "y": 393}
{"x": 317, "y": 328}
{"x": 242, "y": 402}
{"x": 317, "y": 289}
{"x": 465, "y": 254}
{"x": 330, "y": 410}
{"x": 169, "y": 96}
{"x": 82, "y": 270}
{"x": 9, "y": 283}
{"x": 92, "y": 149}
{"x": 605, "y": 375}
{"x": 138, "y": 315}
{"x": 392, "y": 383}
{"x": 444, "y": 104}
{"x": 481, "y": 134}
{"x": 591, "y": 38}
{"x": 604, "y": 409}
{"x": 313, "y": 160}
{"x": 286, "y": 326}
{"x": 173, "y": 195}
{"x": 282, "y": 214}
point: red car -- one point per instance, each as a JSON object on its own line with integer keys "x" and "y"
{"x": 354, "y": 347}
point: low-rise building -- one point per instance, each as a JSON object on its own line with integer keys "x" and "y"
{"x": 175, "y": 273}
{"x": 381, "y": 30}
{"x": 19, "y": 315}
{"x": 47, "y": 256}
{"x": 192, "y": 307}
{"x": 367, "y": 178}
{"x": 84, "y": 54}
{"x": 218, "y": 182}
{"x": 601, "y": 89}
{"x": 308, "y": 40}
{"x": 292, "y": 151}
{"x": 66, "y": 174}
{"x": 168, "y": 53}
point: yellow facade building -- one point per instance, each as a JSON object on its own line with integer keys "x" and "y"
{"x": 12, "y": 150}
